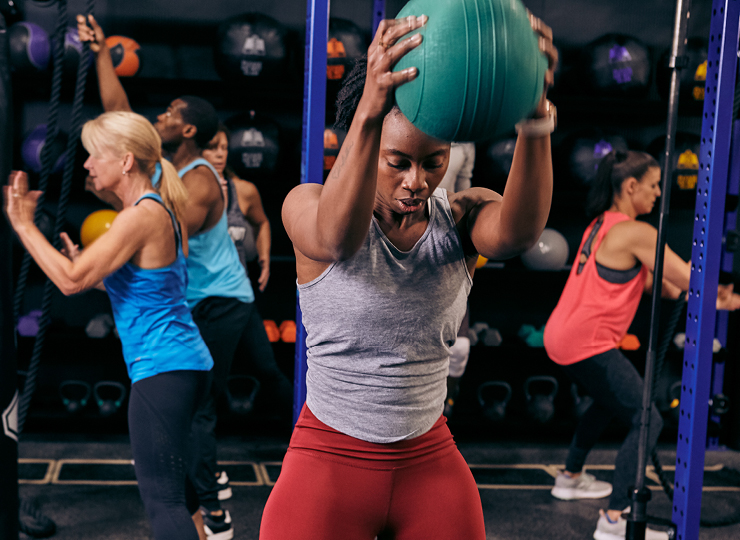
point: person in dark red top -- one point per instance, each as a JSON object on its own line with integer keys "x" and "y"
{"x": 613, "y": 267}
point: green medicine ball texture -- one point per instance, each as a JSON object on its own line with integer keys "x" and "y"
{"x": 480, "y": 69}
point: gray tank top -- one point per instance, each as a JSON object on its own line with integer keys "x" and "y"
{"x": 380, "y": 326}
{"x": 240, "y": 230}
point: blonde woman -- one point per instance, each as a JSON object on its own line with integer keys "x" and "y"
{"x": 141, "y": 262}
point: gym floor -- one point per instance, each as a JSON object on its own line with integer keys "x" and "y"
{"x": 87, "y": 486}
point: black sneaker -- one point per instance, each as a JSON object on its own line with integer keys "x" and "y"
{"x": 224, "y": 489}
{"x": 217, "y": 527}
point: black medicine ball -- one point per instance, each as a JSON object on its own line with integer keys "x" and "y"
{"x": 251, "y": 46}
{"x": 616, "y": 65}
{"x": 254, "y": 145}
{"x": 346, "y": 44}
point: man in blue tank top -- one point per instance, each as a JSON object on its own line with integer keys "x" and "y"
{"x": 219, "y": 293}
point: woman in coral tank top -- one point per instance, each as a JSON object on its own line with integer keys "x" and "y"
{"x": 612, "y": 269}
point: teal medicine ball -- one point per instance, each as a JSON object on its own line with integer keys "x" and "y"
{"x": 480, "y": 69}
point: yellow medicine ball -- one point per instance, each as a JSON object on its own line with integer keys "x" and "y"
{"x": 95, "y": 225}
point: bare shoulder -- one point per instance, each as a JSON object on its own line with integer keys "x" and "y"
{"x": 301, "y": 197}
{"x": 201, "y": 183}
{"x": 244, "y": 186}
{"x": 466, "y": 200}
{"x": 632, "y": 231}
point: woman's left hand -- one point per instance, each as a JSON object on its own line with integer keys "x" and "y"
{"x": 20, "y": 204}
{"x": 544, "y": 34}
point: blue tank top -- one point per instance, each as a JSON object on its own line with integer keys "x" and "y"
{"x": 152, "y": 317}
{"x": 213, "y": 263}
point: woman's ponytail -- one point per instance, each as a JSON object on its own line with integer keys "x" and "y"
{"x": 173, "y": 191}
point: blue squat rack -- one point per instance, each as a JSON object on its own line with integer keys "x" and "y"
{"x": 719, "y": 169}
{"x": 312, "y": 149}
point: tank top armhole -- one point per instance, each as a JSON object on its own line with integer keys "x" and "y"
{"x": 447, "y": 212}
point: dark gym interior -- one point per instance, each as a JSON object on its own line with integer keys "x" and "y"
{"x": 74, "y": 460}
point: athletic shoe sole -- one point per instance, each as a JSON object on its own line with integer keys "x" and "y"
{"x": 565, "y": 494}
{"x": 228, "y": 534}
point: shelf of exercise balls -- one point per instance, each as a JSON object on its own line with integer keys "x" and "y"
{"x": 144, "y": 91}
{"x": 613, "y": 110}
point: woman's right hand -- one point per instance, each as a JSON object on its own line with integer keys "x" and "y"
{"x": 384, "y": 52}
{"x": 92, "y": 33}
{"x": 20, "y": 203}
{"x": 727, "y": 299}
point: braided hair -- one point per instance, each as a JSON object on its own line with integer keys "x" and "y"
{"x": 350, "y": 94}
{"x": 616, "y": 167}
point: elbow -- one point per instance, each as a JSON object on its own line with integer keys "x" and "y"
{"x": 69, "y": 288}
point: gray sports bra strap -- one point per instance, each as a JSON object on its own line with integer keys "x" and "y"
{"x": 586, "y": 250}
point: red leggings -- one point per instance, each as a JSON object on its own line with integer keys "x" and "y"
{"x": 335, "y": 487}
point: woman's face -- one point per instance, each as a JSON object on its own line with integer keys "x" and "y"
{"x": 217, "y": 152}
{"x": 105, "y": 170}
{"x": 646, "y": 191}
{"x": 410, "y": 165}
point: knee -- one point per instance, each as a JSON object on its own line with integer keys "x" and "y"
{"x": 459, "y": 354}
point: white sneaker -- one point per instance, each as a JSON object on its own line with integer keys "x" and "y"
{"x": 583, "y": 486}
{"x": 617, "y": 531}
{"x": 224, "y": 490}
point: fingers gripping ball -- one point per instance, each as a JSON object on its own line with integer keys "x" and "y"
{"x": 95, "y": 225}
{"x": 124, "y": 52}
{"x": 550, "y": 252}
{"x": 480, "y": 69}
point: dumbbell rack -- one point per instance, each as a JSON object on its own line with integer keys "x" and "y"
{"x": 708, "y": 256}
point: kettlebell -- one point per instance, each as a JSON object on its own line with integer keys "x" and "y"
{"x": 540, "y": 391}
{"x": 240, "y": 393}
{"x": 493, "y": 397}
{"x": 109, "y": 395}
{"x": 581, "y": 403}
{"x": 74, "y": 395}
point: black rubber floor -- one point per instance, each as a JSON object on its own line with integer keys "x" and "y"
{"x": 88, "y": 488}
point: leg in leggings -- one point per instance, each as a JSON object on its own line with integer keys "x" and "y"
{"x": 276, "y": 390}
{"x": 318, "y": 498}
{"x": 220, "y": 321}
{"x": 160, "y": 418}
{"x": 616, "y": 387}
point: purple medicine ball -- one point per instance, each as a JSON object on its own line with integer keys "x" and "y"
{"x": 33, "y": 145}
{"x": 29, "y": 47}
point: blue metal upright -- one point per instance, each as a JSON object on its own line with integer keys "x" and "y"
{"x": 705, "y": 266}
{"x": 378, "y": 13}
{"x": 312, "y": 153}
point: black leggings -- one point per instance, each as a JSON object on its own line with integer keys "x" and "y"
{"x": 160, "y": 416}
{"x": 616, "y": 388}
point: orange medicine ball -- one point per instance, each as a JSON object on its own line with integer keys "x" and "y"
{"x": 124, "y": 52}
{"x": 95, "y": 225}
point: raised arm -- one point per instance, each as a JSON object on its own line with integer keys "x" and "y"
{"x": 249, "y": 199}
{"x": 126, "y": 236}
{"x": 502, "y": 229}
{"x": 329, "y": 223}
{"x": 112, "y": 94}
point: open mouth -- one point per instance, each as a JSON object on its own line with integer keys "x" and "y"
{"x": 411, "y": 205}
